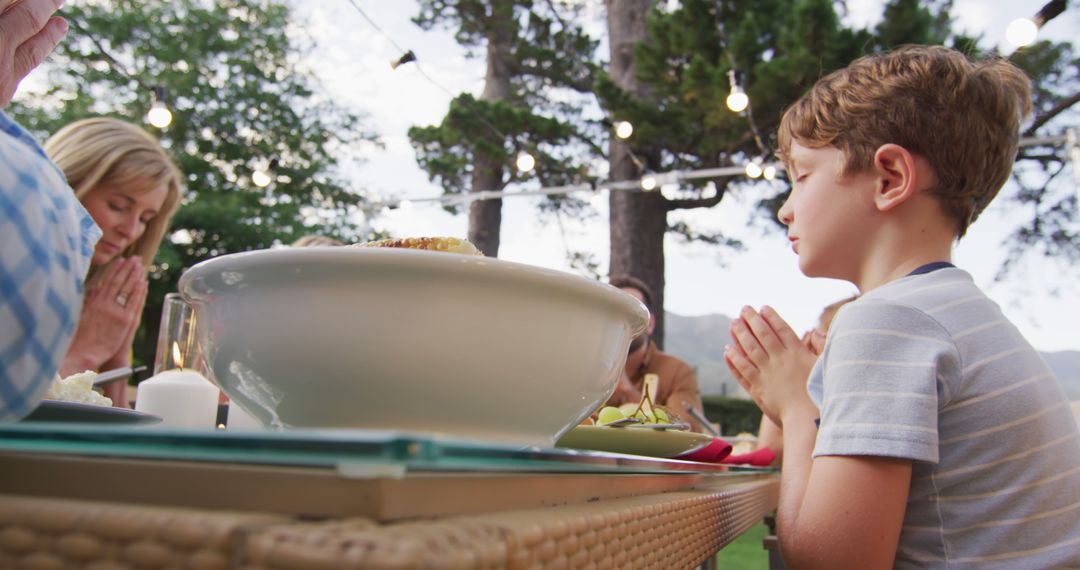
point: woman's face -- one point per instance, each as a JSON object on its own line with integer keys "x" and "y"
{"x": 122, "y": 213}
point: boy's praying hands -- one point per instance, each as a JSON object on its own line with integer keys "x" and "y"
{"x": 771, "y": 362}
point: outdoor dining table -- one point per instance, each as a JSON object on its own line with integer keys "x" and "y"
{"x": 91, "y": 496}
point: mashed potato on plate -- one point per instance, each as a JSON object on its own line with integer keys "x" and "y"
{"x": 77, "y": 388}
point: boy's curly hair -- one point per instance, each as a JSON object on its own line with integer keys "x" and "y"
{"x": 964, "y": 117}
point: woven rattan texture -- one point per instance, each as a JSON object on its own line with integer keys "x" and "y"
{"x": 669, "y": 531}
{"x": 47, "y": 534}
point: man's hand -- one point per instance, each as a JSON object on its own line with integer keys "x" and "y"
{"x": 28, "y": 33}
{"x": 625, "y": 391}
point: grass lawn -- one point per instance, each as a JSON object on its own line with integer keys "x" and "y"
{"x": 745, "y": 553}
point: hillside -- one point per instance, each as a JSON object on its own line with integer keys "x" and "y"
{"x": 700, "y": 341}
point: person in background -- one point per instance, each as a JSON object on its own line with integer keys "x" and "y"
{"x": 930, "y": 434}
{"x": 46, "y": 236}
{"x": 678, "y": 386}
{"x": 769, "y": 434}
{"x": 132, "y": 188}
{"x": 314, "y": 241}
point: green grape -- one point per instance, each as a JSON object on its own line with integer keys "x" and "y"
{"x": 609, "y": 414}
{"x": 661, "y": 416}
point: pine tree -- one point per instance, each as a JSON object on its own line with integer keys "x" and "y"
{"x": 537, "y": 60}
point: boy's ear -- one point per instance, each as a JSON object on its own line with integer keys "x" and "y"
{"x": 896, "y": 180}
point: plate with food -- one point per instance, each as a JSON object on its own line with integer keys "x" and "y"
{"x": 69, "y": 412}
{"x": 73, "y": 399}
{"x": 642, "y": 428}
{"x": 648, "y": 442}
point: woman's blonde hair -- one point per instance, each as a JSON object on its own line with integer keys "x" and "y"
{"x": 315, "y": 241}
{"x": 108, "y": 151}
{"x": 962, "y": 116}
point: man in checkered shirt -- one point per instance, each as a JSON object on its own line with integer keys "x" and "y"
{"x": 46, "y": 237}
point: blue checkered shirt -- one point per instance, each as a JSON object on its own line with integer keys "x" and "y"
{"x": 46, "y": 241}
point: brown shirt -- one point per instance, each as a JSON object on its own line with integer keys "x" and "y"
{"x": 678, "y": 384}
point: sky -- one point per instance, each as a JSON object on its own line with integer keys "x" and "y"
{"x": 352, "y": 62}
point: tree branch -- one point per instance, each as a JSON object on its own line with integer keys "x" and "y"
{"x": 1062, "y": 105}
{"x": 1039, "y": 157}
{"x": 556, "y": 15}
{"x": 581, "y": 86}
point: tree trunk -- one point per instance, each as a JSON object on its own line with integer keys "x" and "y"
{"x": 485, "y": 216}
{"x": 638, "y": 219}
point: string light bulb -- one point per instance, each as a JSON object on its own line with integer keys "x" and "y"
{"x": 1021, "y": 32}
{"x": 737, "y": 100}
{"x": 769, "y": 172}
{"x": 159, "y": 115}
{"x": 648, "y": 183}
{"x": 623, "y": 129}
{"x": 406, "y": 57}
{"x": 261, "y": 176}
{"x": 525, "y": 162}
{"x": 753, "y": 169}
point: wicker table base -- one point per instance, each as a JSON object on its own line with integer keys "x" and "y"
{"x": 667, "y": 530}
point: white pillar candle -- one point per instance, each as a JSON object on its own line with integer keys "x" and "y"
{"x": 184, "y": 399}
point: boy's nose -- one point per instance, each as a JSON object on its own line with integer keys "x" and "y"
{"x": 785, "y": 213}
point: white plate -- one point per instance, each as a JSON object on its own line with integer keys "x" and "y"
{"x": 71, "y": 412}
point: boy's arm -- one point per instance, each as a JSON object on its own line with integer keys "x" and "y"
{"x": 836, "y": 510}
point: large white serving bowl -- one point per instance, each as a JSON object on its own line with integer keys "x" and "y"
{"x": 410, "y": 340}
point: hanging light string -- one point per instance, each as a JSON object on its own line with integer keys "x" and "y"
{"x": 749, "y": 112}
{"x": 1023, "y": 32}
{"x": 409, "y": 56}
{"x": 109, "y": 59}
{"x": 159, "y": 114}
{"x": 623, "y": 130}
{"x": 675, "y": 176}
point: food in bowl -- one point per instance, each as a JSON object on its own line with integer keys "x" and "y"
{"x": 410, "y": 340}
{"x": 447, "y": 244}
{"x": 77, "y": 388}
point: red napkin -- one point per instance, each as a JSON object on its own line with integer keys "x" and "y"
{"x": 760, "y": 458}
{"x": 714, "y": 452}
{"x": 719, "y": 451}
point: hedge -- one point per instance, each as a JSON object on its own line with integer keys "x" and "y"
{"x": 734, "y": 415}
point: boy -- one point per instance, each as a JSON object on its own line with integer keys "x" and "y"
{"x": 944, "y": 439}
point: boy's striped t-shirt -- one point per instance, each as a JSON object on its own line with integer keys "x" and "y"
{"x": 929, "y": 369}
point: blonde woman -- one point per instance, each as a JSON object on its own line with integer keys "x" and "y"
{"x": 131, "y": 188}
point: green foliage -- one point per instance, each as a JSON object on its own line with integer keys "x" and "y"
{"x": 914, "y": 22}
{"x": 447, "y": 151}
{"x": 735, "y": 415}
{"x": 238, "y": 99}
{"x": 546, "y": 64}
{"x": 779, "y": 48}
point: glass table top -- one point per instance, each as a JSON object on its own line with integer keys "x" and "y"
{"x": 337, "y": 449}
